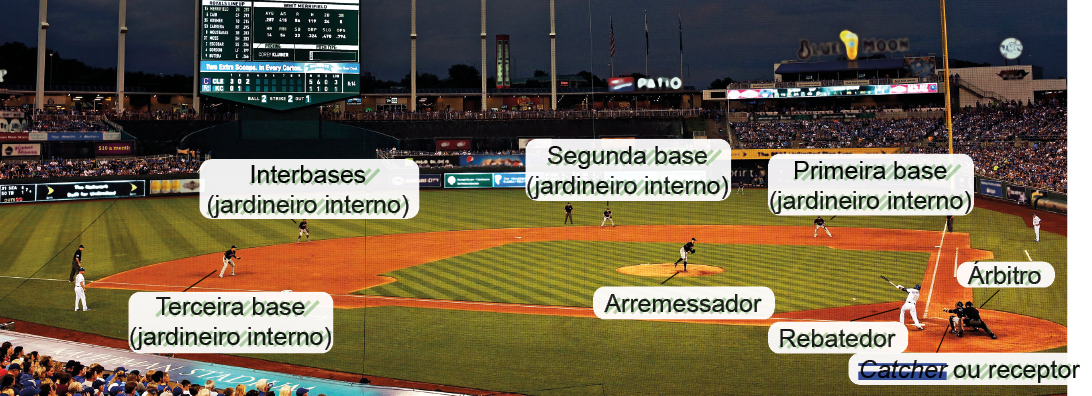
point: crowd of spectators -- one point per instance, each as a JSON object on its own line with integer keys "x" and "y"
{"x": 393, "y": 153}
{"x": 31, "y": 374}
{"x": 62, "y": 125}
{"x": 996, "y": 122}
{"x": 101, "y": 167}
{"x": 1039, "y": 164}
{"x": 1002, "y": 122}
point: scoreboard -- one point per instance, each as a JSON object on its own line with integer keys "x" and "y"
{"x": 280, "y": 54}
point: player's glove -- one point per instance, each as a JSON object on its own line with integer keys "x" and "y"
{"x": 692, "y": 251}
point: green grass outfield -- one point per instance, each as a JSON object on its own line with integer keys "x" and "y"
{"x": 524, "y": 273}
{"x": 496, "y": 351}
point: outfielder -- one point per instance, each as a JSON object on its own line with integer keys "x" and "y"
{"x": 229, "y": 259}
{"x": 81, "y": 289}
{"x": 607, "y": 216}
{"x": 1035, "y": 220}
{"x": 687, "y": 248}
{"x": 910, "y": 305}
{"x": 819, "y": 222}
{"x": 303, "y": 230}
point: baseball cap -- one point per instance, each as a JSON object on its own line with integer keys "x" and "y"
{"x": 301, "y": 391}
{"x": 82, "y": 269}
{"x": 176, "y": 391}
{"x": 81, "y": 245}
{"x": 14, "y": 366}
{"x": 119, "y": 369}
{"x": 233, "y": 246}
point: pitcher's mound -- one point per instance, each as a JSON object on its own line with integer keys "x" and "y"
{"x": 659, "y": 270}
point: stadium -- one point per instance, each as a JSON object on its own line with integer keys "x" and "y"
{"x": 105, "y": 172}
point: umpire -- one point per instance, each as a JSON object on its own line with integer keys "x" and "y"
{"x": 568, "y": 213}
{"x": 77, "y": 262}
{"x": 971, "y": 318}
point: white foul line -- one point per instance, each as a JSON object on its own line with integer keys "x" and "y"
{"x": 933, "y": 282}
{"x": 1026, "y": 254}
{"x": 955, "y": 264}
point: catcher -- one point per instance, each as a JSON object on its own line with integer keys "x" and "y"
{"x": 956, "y": 320}
{"x": 687, "y": 248}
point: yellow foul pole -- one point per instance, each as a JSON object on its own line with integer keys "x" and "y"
{"x": 947, "y": 80}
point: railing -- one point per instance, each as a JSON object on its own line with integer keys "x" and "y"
{"x": 979, "y": 91}
{"x": 825, "y": 83}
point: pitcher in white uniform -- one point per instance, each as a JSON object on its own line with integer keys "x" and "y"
{"x": 910, "y": 305}
{"x": 1035, "y": 222}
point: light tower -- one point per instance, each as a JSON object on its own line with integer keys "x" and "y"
{"x": 39, "y": 90}
{"x": 120, "y": 105}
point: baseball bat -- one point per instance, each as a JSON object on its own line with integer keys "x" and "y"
{"x": 832, "y": 218}
{"x": 888, "y": 280}
{"x": 293, "y": 221}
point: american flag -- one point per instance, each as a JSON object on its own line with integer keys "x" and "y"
{"x": 612, "y": 36}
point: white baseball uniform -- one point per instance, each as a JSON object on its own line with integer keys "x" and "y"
{"x": 682, "y": 253}
{"x": 1035, "y": 222}
{"x": 80, "y": 296}
{"x": 910, "y": 305}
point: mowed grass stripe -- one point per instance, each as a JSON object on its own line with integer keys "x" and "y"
{"x": 465, "y": 283}
{"x": 542, "y": 273}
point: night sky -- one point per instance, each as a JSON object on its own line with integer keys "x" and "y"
{"x": 741, "y": 40}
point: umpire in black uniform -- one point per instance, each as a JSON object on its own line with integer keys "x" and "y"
{"x": 77, "y": 262}
{"x": 971, "y": 318}
{"x": 568, "y": 213}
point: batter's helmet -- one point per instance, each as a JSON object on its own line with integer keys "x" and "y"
{"x": 917, "y": 287}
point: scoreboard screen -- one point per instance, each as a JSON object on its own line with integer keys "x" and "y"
{"x": 280, "y": 54}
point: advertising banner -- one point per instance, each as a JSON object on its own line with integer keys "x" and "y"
{"x": 452, "y": 144}
{"x": 905, "y": 80}
{"x": 510, "y": 180}
{"x": 21, "y": 150}
{"x": 807, "y": 90}
{"x": 431, "y": 181}
{"x": 122, "y": 148}
{"x": 493, "y": 160}
{"x": 90, "y": 190}
{"x": 433, "y": 161}
{"x": 1016, "y": 193}
{"x": 989, "y": 187}
{"x": 468, "y": 180}
{"x": 767, "y": 153}
{"x": 14, "y": 137}
{"x": 180, "y": 186}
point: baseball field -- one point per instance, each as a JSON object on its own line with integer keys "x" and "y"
{"x": 486, "y": 289}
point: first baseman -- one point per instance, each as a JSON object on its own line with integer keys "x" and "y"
{"x": 569, "y": 213}
{"x": 687, "y": 248}
{"x": 819, "y": 222}
{"x": 81, "y": 288}
{"x": 1035, "y": 223}
{"x": 910, "y": 305}
{"x": 229, "y": 257}
{"x": 303, "y": 230}
{"x": 607, "y": 216}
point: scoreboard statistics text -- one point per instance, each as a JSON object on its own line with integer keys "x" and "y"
{"x": 280, "y": 54}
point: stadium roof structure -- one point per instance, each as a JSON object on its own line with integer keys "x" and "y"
{"x": 817, "y": 67}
